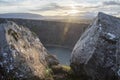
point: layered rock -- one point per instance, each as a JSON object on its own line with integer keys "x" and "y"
{"x": 22, "y": 55}
{"x": 96, "y": 55}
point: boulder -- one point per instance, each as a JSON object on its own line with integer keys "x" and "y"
{"x": 96, "y": 55}
{"x": 22, "y": 55}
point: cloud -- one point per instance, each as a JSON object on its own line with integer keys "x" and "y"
{"x": 111, "y": 3}
{"x": 5, "y": 3}
{"x": 51, "y": 7}
{"x": 59, "y": 7}
{"x": 11, "y": 2}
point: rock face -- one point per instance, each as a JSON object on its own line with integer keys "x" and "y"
{"x": 97, "y": 53}
{"x": 22, "y": 55}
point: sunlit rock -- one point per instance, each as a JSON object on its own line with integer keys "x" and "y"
{"x": 22, "y": 55}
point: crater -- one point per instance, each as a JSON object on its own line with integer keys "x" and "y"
{"x": 58, "y": 37}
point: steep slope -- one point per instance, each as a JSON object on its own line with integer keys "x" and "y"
{"x": 22, "y": 55}
{"x": 97, "y": 53}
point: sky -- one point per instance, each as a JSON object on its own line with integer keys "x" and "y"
{"x": 61, "y": 7}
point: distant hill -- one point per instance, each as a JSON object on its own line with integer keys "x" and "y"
{"x": 21, "y": 16}
{"x": 71, "y": 19}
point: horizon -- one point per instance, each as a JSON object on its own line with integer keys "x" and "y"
{"x": 87, "y": 8}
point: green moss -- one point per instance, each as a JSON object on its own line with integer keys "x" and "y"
{"x": 66, "y": 68}
{"x": 48, "y": 74}
{"x": 34, "y": 34}
{"x": 69, "y": 74}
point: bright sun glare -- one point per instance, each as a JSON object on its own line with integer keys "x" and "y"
{"x": 73, "y": 10}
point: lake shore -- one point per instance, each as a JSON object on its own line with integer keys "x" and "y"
{"x": 53, "y": 45}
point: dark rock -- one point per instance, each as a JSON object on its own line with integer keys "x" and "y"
{"x": 51, "y": 60}
{"x": 22, "y": 55}
{"x": 97, "y": 53}
{"x": 3, "y": 20}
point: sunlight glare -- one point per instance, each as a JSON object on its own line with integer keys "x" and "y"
{"x": 73, "y": 10}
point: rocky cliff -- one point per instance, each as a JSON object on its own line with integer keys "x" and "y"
{"x": 63, "y": 33}
{"x": 22, "y": 55}
{"x": 96, "y": 55}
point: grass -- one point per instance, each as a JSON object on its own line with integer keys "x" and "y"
{"x": 66, "y": 68}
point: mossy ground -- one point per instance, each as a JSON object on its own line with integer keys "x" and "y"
{"x": 61, "y": 72}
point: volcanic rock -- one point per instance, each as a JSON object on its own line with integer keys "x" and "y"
{"x": 96, "y": 55}
{"x": 22, "y": 55}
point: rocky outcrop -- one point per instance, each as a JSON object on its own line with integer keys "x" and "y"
{"x": 97, "y": 53}
{"x": 22, "y": 55}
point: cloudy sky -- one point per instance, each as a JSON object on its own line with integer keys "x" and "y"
{"x": 61, "y": 7}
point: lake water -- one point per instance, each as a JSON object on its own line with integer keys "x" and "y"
{"x": 63, "y": 54}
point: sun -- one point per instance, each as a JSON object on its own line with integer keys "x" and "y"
{"x": 73, "y": 10}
